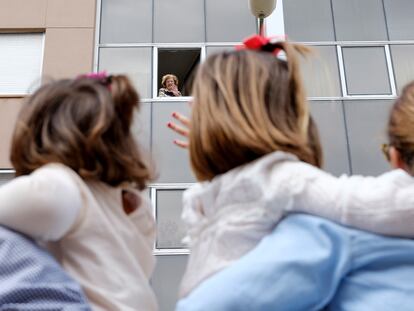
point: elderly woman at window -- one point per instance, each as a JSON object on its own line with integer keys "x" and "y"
{"x": 169, "y": 88}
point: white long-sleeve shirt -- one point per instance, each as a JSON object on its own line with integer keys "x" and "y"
{"x": 107, "y": 251}
{"x": 228, "y": 216}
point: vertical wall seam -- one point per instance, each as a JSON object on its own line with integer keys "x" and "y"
{"x": 153, "y": 22}
{"x": 348, "y": 144}
{"x": 386, "y": 20}
{"x": 333, "y": 20}
{"x": 205, "y": 21}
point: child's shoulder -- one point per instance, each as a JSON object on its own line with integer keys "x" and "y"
{"x": 54, "y": 167}
{"x": 57, "y": 171}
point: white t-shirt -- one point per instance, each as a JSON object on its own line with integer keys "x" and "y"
{"x": 107, "y": 251}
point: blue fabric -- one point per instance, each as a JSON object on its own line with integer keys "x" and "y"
{"x": 309, "y": 263}
{"x": 30, "y": 278}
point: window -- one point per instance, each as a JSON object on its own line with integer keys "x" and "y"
{"x": 170, "y": 228}
{"x": 180, "y": 62}
{"x": 21, "y": 56}
{"x": 366, "y": 71}
{"x": 6, "y": 176}
{"x": 402, "y": 57}
{"x": 133, "y": 61}
{"x": 320, "y": 72}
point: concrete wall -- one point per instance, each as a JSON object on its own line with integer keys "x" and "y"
{"x": 69, "y": 28}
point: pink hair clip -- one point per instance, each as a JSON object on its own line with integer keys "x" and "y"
{"x": 101, "y": 76}
{"x": 94, "y": 75}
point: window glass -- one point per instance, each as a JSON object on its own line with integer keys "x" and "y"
{"x": 180, "y": 63}
{"x": 179, "y": 21}
{"x": 366, "y": 71}
{"x": 5, "y": 177}
{"x": 172, "y": 161}
{"x": 320, "y": 72}
{"x": 359, "y": 20}
{"x": 403, "y": 62}
{"x": 308, "y": 20}
{"x": 400, "y": 19}
{"x": 126, "y": 21}
{"x": 21, "y": 58}
{"x": 329, "y": 118}
{"x": 366, "y": 123}
{"x": 170, "y": 229}
{"x": 166, "y": 279}
{"x": 133, "y": 61}
{"x": 229, "y": 20}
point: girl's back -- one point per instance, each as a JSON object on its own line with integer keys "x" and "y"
{"x": 107, "y": 251}
{"x": 80, "y": 174}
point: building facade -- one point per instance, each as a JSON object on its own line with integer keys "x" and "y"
{"x": 363, "y": 57}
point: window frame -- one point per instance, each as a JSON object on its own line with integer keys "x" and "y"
{"x": 183, "y": 46}
{"x": 389, "y": 67}
{"x": 154, "y": 188}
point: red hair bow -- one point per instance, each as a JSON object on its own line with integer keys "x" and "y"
{"x": 264, "y": 44}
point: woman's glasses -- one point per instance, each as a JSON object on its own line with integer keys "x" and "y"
{"x": 386, "y": 151}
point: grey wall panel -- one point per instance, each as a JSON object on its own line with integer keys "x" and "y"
{"x": 228, "y": 20}
{"x": 216, "y": 49}
{"x": 400, "y": 19}
{"x": 320, "y": 72}
{"x": 308, "y": 20}
{"x": 170, "y": 229}
{"x": 126, "y": 21}
{"x": 403, "y": 62}
{"x": 167, "y": 278}
{"x": 366, "y": 123}
{"x": 179, "y": 21}
{"x": 141, "y": 127}
{"x": 358, "y": 20}
{"x": 172, "y": 161}
{"x": 133, "y": 61}
{"x": 366, "y": 71}
{"x": 329, "y": 118}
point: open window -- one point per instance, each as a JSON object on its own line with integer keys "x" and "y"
{"x": 180, "y": 62}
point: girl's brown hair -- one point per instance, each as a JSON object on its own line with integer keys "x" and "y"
{"x": 85, "y": 124}
{"x": 401, "y": 126}
{"x": 248, "y": 104}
